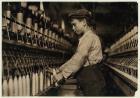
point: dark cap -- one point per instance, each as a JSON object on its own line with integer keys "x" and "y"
{"x": 81, "y": 13}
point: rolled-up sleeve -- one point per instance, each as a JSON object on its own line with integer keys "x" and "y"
{"x": 79, "y": 58}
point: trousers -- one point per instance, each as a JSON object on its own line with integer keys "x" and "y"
{"x": 91, "y": 81}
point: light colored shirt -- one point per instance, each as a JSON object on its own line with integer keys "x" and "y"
{"x": 89, "y": 52}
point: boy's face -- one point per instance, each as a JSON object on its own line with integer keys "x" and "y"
{"x": 77, "y": 26}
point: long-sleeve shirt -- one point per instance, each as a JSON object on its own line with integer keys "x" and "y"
{"x": 89, "y": 52}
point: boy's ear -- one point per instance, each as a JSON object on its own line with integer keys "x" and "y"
{"x": 84, "y": 21}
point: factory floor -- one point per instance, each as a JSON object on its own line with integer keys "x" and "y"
{"x": 70, "y": 88}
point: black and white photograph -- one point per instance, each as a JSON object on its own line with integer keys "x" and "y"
{"x": 69, "y": 48}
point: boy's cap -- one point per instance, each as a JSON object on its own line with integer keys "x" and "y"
{"x": 82, "y": 13}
